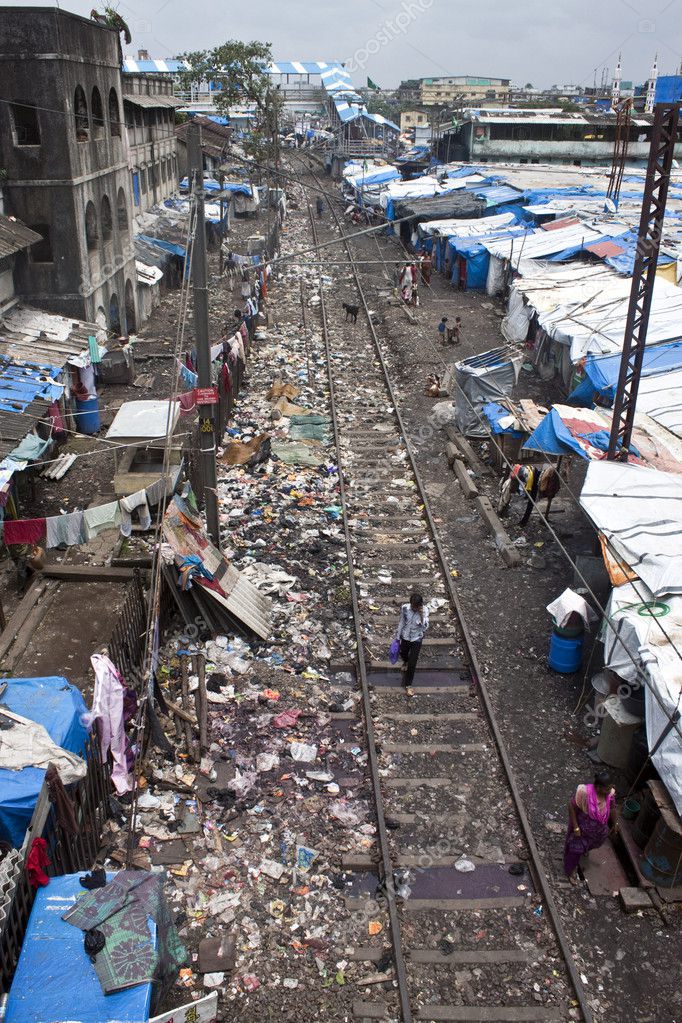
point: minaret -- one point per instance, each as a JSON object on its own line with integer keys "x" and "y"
{"x": 615, "y": 88}
{"x": 651, "y": 88}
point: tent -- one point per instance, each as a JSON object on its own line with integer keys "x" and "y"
{"x": 58, "y": 706}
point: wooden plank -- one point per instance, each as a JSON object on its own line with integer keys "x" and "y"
{"x": 25, "y": 606}
{"x": 489, "y": 1014}
{"x": 395, "y": 716}
{"x": 88, "y": 573}
{"x": 407, "y": 747}
{"x": 369, "y": 1010}
{"x": 465, "y": 905}
{"x": 470, "y": 957}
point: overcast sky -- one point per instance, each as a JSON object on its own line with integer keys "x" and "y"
{"x": 539, "y": 41}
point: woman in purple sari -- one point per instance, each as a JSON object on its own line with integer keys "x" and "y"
{"x": 591, "y": 813}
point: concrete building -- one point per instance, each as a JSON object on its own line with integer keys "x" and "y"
{"x": 463, "y": 90}
{"x": 413, "y": 119}
{"x": 215, "y": 145}
{"x": 64, "y": 153}
{"x": 544, "y": 136}
{"x": 149, "y": 112}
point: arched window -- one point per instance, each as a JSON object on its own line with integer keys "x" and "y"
{"x": 80, "y": 113}
{"x": 122, "y": 211}
{"x": 130, "y": 307}
{"x": 114, "y": 114}
{"x": 97, "y": 114}
{"x": 91, "y": 234}
{"x": 114, "y": 314}
{"x": 107, "y": 221}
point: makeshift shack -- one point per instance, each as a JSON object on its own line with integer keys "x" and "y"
{"x": 480, "y": 379}
{"x": 57, "y": 707}
{"x": 139, "y": 430}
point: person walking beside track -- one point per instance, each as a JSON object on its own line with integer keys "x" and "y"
{"x": 414, "y": 621}
{"x": 591, "y": 816}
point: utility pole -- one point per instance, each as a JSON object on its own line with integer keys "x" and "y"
{"x": 205, "y": 391}
{"x": 663, "y": 138}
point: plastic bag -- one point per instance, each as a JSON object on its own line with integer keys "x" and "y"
{"x": 394, "y": 651}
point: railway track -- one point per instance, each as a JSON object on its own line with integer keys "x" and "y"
{"x": 468, "y": 944}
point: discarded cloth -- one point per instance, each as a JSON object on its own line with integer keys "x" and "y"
{"x": 570, "y": 603}
{"x": 135, "y": 502}
{"x": 120, "y": 911}
{"x": 64, "y": 529}
{"x": 30, "y": 448}
{"x": 28, "y": 744}
{"x": 24, "y": 531}
{"x": 104, "y": 516}
{"x": 61, "y": 800}
{"x": 298, "y": 454}
{"x": 36, "y": 862}
{"x": 107, "y": 708}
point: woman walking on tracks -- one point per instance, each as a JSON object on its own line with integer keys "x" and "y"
{"x": 414, "y": 621}
{"x": 590, "y": 812}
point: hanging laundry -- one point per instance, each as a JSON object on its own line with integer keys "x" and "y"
{"x": 135, "y": 502}
{"x": 24, "y": 531}
{"x": 36, "y": 862}
{"x": 64, "y": 529}
{"x": 107, "y": 708}
{"x": 104, "y": 516}
{"x": 87, "y": 378}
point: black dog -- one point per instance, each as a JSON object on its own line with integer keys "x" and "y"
{"x": 351, "y": 311}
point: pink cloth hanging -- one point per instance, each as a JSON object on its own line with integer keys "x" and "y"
{"x": 107, "y": 708}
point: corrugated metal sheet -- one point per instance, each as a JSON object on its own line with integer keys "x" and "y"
{"x": 152, "y": 67}
{"x": 245, "y": 602}
{"x": 148, "y": 102}
{"x": 604, "y": 249}
{"x": 15, "y": 236}
{"x": 557, "y": 225}
{"x": 31, "y": 335}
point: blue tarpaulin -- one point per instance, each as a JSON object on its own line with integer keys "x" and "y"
{"x": 177, "y": 250}
{"x": 23, "y": 382}
{"x": 553, "y": 437}
{"x": 58, "y": 706}
{"x": 55, "y": 981}
{"x": 602, "y": 370}
{"x": 494, "y": 412}
{"x": 211, "y": 185}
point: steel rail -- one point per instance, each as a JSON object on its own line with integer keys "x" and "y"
{"x": 477, "y": 674}
{"x": 387, "y": 878}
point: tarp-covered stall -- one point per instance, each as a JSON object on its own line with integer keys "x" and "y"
{"x": 57, "y": 707}
{"x": 482, "y": 379}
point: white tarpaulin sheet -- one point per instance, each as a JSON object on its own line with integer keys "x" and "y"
{"x": 537, "y": 244}
{"x": 479, "y": 227}
{"x": 647, "y": 632}
{"x": 586, "y": 306}
{"x": 639, "y": 510}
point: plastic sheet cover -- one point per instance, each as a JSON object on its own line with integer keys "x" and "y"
{"x": 56, "y": 705}
{"x": 55, "y": 982}
{"x": 637, "y": 649}
{"x": 480, "y": 380}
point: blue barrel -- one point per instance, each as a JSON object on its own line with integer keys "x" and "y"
{"x": 565, "y": 653}
{"x": 87, "y": 415}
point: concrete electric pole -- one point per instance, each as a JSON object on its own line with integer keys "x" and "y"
{"x": 207, "y": 395}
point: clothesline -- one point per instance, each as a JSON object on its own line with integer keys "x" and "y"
{"x": 83, "y": 526}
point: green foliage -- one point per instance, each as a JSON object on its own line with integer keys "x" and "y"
{"x": 236, "y": 68}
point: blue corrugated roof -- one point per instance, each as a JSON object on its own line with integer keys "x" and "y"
{"x": 23, "y": 382}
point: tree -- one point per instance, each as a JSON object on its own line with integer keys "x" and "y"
{"x": 237, "y": 71}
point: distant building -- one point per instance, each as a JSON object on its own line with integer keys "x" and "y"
{"x": 413, "y": 119}
{"x": 215, "y": 142}
{"x": 463, "y": 90}
{"x": 544, "y": 136}
{"x": 63, "y": 142}
{"x": 408, "y": 91}
{"x": 149, "y": 112}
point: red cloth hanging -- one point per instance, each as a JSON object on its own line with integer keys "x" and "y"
{"x": 25, "y": 531}
{"x": 36, "y": 862}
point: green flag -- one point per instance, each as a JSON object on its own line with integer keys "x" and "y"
{"x": 373, "y": 85}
